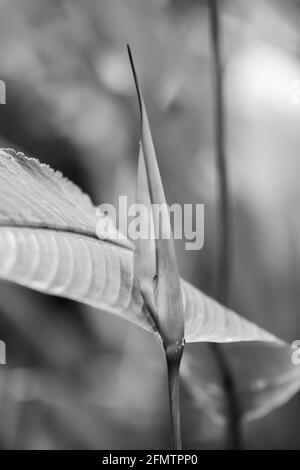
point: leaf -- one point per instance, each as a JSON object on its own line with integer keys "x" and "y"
{"x": 72, "y": 418}
{"x": 264, "y": 377}
{"x": 33, "y": 195}
{"x": 48, "y": 242}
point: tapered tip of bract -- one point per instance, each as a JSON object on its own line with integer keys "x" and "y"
{"x": 136, "y": 81}
{"x": 131, "y": 62}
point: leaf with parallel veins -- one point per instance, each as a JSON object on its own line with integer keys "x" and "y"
{"x": 48, "y": 242}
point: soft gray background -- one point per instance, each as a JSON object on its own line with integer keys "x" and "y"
{"x": 78, "y": 378}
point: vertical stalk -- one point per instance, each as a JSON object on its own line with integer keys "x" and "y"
{"x": 173, "y": 364}
{"x": 224, "y": 249}
{"x": 234, "y": 435}
{"x": 224, "y": 255}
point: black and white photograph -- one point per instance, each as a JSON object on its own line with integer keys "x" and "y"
{"x": 149, "y": 228}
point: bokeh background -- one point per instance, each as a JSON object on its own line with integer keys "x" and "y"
{"x": 79, "y": 378}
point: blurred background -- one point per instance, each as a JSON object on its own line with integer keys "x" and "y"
{"x": 79, "y": 378}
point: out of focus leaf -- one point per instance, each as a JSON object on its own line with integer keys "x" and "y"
{"x": 48, "y": 242}
{"x": 49, "y": 411}
{"x": 264, "y": 377}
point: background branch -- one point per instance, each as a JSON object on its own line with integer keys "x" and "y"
{"x": 224, "y": 225}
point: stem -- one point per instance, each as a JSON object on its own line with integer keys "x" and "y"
{"x": 173, "y": 364}
{"x": 219, "y": 116}
{"x": 234, "y": 424}
{"x": 224, "y": 253}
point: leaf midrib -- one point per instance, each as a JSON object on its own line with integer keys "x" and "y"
{"x": 69, "y": 230}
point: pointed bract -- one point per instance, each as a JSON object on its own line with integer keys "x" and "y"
{"x": 169, "y": 304}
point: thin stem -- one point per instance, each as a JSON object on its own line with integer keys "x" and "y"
{"x": 224, "y": 253}
{"x": 219, "y": 117}
{"x": 173, "y": 364}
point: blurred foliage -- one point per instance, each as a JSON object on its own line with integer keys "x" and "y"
{"x": 76, "y": 377}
